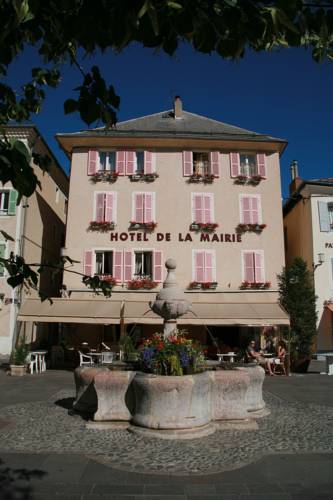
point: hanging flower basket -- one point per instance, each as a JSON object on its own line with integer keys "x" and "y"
{"x": 101, "y": 226}
{"x": 258, "y": 285}
{"x": 254, "y": 228}
{"x": 141, "y": 283}
{"x": 147, "y": 226}
{"x": 208, "y": 227}
{"x": 104, "y": 176}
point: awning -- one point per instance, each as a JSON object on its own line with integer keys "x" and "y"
{"x": 71, "y": 311}
{"x": 237, "y": 314}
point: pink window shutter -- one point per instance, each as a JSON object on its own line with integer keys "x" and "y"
{"x": 246, "y": 210}
{"x": 118, "y": 265}
{"x": 130, "y": 162}
{"x": 92, "y": 166}
{"x": 209, "y": 271}
{"x": 88, "y": 263}
{"x": 207, "y": 208}
{"x": 110, "y": 207}
{"x": 187, "y": 163}
{"x": 157, "y": 273}
{"x": 259, "y": 267}
{"x": 100, "y": 202}
{"x": 198, "y": 208}
{"x": 128, "y": 272}
{"x": 248, "y": 263}
{"x": 120, "y": 162}
{"x": 148, "y": 162}
{"x": 199, "y": 266}
{"x": 138, "y": 207}
{"x": 255, "y": 210}
{"x": 234, "y": 164}
{"x": 215, "y": 163}
{"x": 148, "y": 207}
{"x": 261, "y": 164}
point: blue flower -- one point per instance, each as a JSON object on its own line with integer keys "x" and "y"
{"x": 184, "y": 358}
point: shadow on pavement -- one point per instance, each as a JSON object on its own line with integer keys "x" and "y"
{"x": 14, "y": 483}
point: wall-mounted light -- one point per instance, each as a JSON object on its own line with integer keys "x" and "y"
{"x": 321, "y": 260}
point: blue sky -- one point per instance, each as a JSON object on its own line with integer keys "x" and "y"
{"x": 284, "y": 94}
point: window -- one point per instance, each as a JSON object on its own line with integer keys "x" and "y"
{"x": 201, "y": 163}
{"x": 105, "y": 207}
{"x": 202, "y": 207}
{"x": 140, "y": 163}
{"x": 4, "y": 202}
{"x": 107, "y": 161}
{"x": 143, "y": 265}
{"x": 104, "y": 263}
{"x": 250, "y": 209}
{"x": 143, "y": 208}
{"x": 248, "y": 165}
{"x": 2, "y": 255}
{"x": 325, "y": 216}
{"x": 204, "y": 268}
{"x": 253, "y": 266}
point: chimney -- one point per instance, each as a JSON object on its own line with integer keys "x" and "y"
{"x": 178, "y": 107}
{"x": 295, "y": 180}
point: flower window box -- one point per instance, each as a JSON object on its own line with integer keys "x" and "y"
{"x": 255, "y": 179}
{"x": 143, "y": 177}
{"x": 146, "y": 226}
{"x": 142, "y": 284}
{"x": 209, "y": 285}
{"x": 241, "y": 179}
{"x": 208, "y": 227}
{"x": 104, "y": 176}
{"x": 195, "y": 178}
{"x": 101, "y": 226}
{"x": 254, "y": 228}
{"x": 108, "y": 278}
{"x": 257, "y": 285}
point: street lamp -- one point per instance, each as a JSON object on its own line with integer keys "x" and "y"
{"x": 321, "y": 260}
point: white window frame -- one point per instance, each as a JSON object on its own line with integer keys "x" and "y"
{"x": 248, "y": 172}
{"x": 142, "y": 250}
{"x": 330, "y": 214}
{"x": 258, "y": 196}
{"x": 115, "y": 204}
{"x": 249, "y": 250}
{"x": 99, "y": 250}
{"x": 134, "y": 193}
{"x": 3, "y": 213}
{"x": 213, "y": 252}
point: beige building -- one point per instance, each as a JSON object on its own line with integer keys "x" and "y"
{"x": 37, "y": 226}
{"x": 308, "y": 223}
{"x": 173, "y": 184}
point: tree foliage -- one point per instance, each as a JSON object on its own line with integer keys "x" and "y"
{"x": 65, "y": 31}
{"x": 298, "y": 298}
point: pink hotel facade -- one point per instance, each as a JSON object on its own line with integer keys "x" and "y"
{"x": 173, "y": 184}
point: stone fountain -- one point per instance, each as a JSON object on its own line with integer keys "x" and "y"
{"x": 171, "y": 407}
{"x": 170, "y": 302}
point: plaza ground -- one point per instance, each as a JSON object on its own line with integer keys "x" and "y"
{"x": 46, "y": 453}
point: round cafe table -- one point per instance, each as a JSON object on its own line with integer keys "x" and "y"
{"x": 227, "y": 356}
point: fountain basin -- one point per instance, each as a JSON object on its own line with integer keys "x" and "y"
{"x": 229, "y": 389}
{"x": 170, "y": 402}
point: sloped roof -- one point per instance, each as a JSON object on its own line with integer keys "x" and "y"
{"x": 164, "y": 124}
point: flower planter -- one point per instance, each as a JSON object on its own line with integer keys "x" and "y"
{"x": 104, "y": 177}
{"x": 18, "y": 370}
{"x": 208, "y": 227}
{"x": 102, "y": 227}
{"x": 170, "y": 402}
{"x": 146, "y": 226}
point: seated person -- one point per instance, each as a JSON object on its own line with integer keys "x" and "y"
{"x": 281, "y": 354}
{"x": 253, "y": 355}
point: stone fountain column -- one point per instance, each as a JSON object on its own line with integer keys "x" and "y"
{"x": 170, "y": 302}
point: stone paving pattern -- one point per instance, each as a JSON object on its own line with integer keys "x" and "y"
{"x": 290, "y": 456}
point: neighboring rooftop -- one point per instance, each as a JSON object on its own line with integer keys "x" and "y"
{"x": 316, "y": 186}
{"x": 175, "y": 123}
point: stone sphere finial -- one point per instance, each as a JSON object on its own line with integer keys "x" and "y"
{"x": 170, "y": 264}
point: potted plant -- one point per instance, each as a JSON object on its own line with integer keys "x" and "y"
{"x": 18, "y": 359}
{"x": 126, "y": 345}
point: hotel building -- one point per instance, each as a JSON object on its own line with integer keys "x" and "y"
{"x": 172, "y": 184}
{"x": 37, "y": 227}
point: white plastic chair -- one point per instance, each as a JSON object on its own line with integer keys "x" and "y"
{"x": 84, "y": 357}
{"x": 107, "y": 357}
{"x": 31, "y": 360}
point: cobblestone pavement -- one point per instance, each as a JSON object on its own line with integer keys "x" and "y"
{"x": 47, "y": 427}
